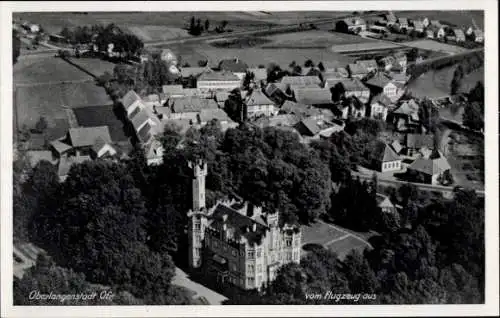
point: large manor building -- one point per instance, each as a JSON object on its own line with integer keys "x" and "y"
{"x": 236, "y": 241}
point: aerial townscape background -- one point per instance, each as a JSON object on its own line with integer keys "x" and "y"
{"x": 181, "y": 158}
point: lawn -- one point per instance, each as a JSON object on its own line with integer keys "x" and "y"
{"x": 366, "y": 45}
{"x": 94, "y": 65}
{"x": 319, "y": 233}
{"x": 345, "y": 246}
{"x": 312, "y": 38}
{"x": 432, "y": 45}
{"x": 433, "y": 84}
{"x": 36, "y": 70}
{"x": 93, "y": 116}
{"x": 457, "y": 17}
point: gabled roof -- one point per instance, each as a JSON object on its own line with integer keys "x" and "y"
{"x": 383, "y": 152}
{"x": 299, "y": 109}
{"x": 353, "y": 85}
{"x": 313, "y": 96}
{"x": 86, "y": 136}
{"x": 218, "y": 76}
{"x": 357, "y": 69}
{"x": 383, "y": 201}
{"x": 98, "y": 144}
{"x": 382, "y": 99}
{"x": 233, "y": 65}
{"x": 419, "y": 140}
{"x": 217, "y": 113}
{"x": 298, "y": 81}
{"x": 139, "y": 119}
{"x": 172, "y": 89}
{"x": 311, "y": 126}
{"x": 418, "y": 24}
{"x": 258, "y": 98}
{"x": 331, "y": 65}
{"x": 144, "y": 134}
{"x": 459, "y": 33}
{"x": 194, "y": 71}
{"x": 368, "y": 63}
{"x": 191, "y": 104}
{"x": 60, "y": 146}
{"x": 396, "y": 146}
{"x": 379, "y": 80}
{"x": 430, "y": 166}
{"x": 409, "y": 108}
{"x": 130, "y": 98}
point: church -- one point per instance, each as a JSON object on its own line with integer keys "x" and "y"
{"x": 235, "y": 240}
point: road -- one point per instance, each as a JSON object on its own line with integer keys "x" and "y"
{"x": 182, "y": 279}
{"x": 427, "y": 187}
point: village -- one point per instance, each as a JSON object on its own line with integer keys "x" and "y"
{"x": 140, "y": 93}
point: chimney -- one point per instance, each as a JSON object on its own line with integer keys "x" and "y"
{"x": 254, "y": 227}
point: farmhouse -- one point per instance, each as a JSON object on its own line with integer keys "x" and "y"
{"x": 94, "y": 142}
{"x": 356, "y": 70}
{"x": 189, "y": 107}
{"x": 459, "y": 35}
{"x": 383, "y": 158}
{"x": 218, "y": 114}
{"x": 235, "y": 66}
{"x": 132, "y": 103}
{"x": 429, "y": 170}
{"x": 414, "y": 143}
{"x": 355, "y": 88}
{"x": 314, "y": 96}
{"x": 379, "y": 106}
{"x": 214, "y": 81}
{"x": 382, "y": 83}
{"x": 259, "y": 104}
{"x": 300, "y": 110}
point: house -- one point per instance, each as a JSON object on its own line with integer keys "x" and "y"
{"x": 356, "y": 70}
{"x": 401, "y": 60}
{"x": 236, "y": 242}
{"x": 154, "y": 100}
{"x": 65, "y": 164}
{"x": 370, "y": 65}
{"x": 280, "y": 120}
{"x": 146, "y": 125}
{"x": 154, "y": 152}
{"x": 382, "y": 83}
{"x": 314, "y": 96}
{"x": 414, "y": 143}
{"x": 429, "y": 34}
{"x": 331, "y": 78}
{"x": 278, "y": 92}
{"x": 94, "y": 142}
{"x": 235, "y": 66}
{"x": 430, "y": 170}
{"x": 301, "y": 81}
{"x": 459, "y": 35}
{"x": 426, "y": 22}
{"x": 406, "y": 116}
{"x": 218, "y": 114}
{"x": 418, "y": 26}
{"x": 387, "y": 62}
{"x": 403, "y": 24}
{"x": 386, "y": 205}
{"x": 478, "y": 36}
{"x": 221, "y": 97}
{"x": 259, "y": 104}
{"x": 195, "y": 72}
{"x": 213, "y": 81}
{"x": 300, "y": 110}
{"x": 132, "y": 103}
{"x": 311, "y": 129}
{"x": 441, "y": 33}
{"x": 379, "y": 106}
{"x": 351, "y": 25}
{"x": 355, "y": 88}
{"x": 329, "y": 66}
{"x": 391, "y": 19}
{"x": 352, "y": 107}
{"x": 383, "y": 158}
{"x": 173, "y": 90}
{"x": 189, "y": 107}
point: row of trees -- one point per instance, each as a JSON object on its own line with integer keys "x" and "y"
{"x": 196, "y": 27}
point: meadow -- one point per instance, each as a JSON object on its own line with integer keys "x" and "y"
{"x": 312, "y": 38}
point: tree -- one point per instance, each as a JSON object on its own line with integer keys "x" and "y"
{"x": 309, "y": 63}
{"x": 207, "y": 25}
{"x": 359, "y": 274}
{"x": 457, "y": 79}
{"x": 473, "y": 116}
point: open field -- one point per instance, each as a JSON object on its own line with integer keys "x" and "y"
{"x": 37, "y": 71}
{"x": 94, "y": 65}
{"x": 93, "y": 116}
{"x": 432, "y": 45}
{"x": 366, "y": 45}
{"x": 312, "y": 38}
{"x": 458, "y": 17}
{"x": 50, "y": 101}
{"x": 333, "y": 237}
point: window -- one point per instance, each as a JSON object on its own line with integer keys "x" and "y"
{"x": 296, "y": 243}
{"x": 251, "y": 255}
{"x": 250, "y": 268}
{"x": 198, "y": 238}
{"x": 296, "y": 256}
{"x": 234, "y": 252}
{"x": 288, "y": 242}
{"x": 250, "y": 281}
{"x": 289, "y": 256}
{"x": 197, "y": 226}
{"x": 233, "y": 267}
{"x": 259, "y": 252}
{"x": 259, "y": 268}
